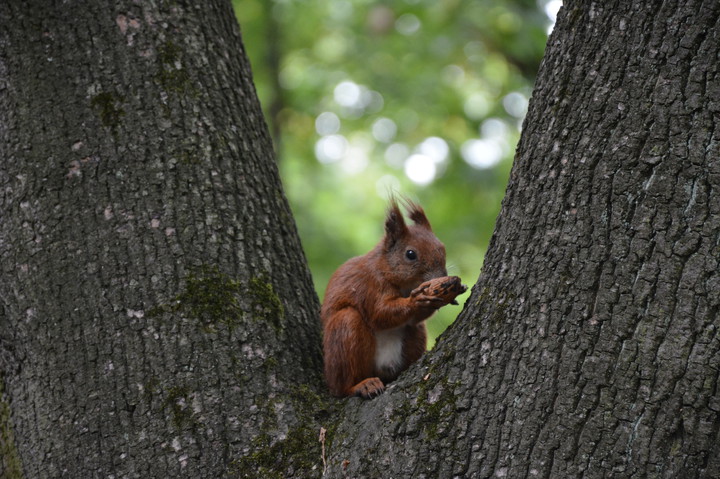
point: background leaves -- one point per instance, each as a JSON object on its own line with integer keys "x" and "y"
{"x": 421, "y": 97}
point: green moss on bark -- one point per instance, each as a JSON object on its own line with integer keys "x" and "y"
{"x": 9, "y": 457}
{"x": 300, "y": 451}
{"x": 107, "y": 106}
{"x": 266, "y": 304}
{"x": 173, "y": 76}
{"x": 436, "y": 398}
{"x": 178, "y": 404}
{"x": 210, "y": 296}
{"x": 496, "y": 301}
{"x": 213, "y": 298}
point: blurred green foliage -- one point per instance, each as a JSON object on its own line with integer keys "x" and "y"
{"x": 420, "y": 97}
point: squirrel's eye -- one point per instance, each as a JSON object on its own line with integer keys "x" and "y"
{"x": 410, "y": 254}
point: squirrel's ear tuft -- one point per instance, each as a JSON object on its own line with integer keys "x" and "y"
{"x": 417, "y": 214}
{"x": 395, "y": 227}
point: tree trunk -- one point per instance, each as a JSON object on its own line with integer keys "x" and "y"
{"x": 157, "y": 317}
{"x": 591, "y": 343}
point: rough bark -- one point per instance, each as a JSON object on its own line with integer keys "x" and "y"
{"x": 157, "y": 317}
{"x": 590, "y": 346}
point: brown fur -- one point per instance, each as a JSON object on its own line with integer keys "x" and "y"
{"x": 384, "y": 292}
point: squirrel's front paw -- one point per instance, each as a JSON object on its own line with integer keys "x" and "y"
{"x": 427, "y": 301}
{"x": 439, "y": 291}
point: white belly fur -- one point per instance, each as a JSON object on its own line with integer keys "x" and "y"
{"x": 388, "y": 350}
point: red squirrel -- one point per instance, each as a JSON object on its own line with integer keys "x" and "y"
{"x": 375, "y": 305}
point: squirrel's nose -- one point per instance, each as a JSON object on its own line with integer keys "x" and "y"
{"x": 437, "y": 272}
{"x": 442, "y": 271}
